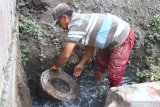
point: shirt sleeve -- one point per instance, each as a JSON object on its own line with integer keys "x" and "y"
{"x": 75, "y": 35}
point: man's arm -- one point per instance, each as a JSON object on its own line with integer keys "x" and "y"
{"x": 79, "y": 67}
{"x": 64, "y": 56}
{"x": 88, "y": 53}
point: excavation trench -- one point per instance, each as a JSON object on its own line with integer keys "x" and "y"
{"x": 91, "y": 93}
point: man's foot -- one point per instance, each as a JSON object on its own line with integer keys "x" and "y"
{"x": 99, "y": 75}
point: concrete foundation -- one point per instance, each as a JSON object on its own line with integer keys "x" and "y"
{"x": 14, "y": 91}
{"x": 137, "y": 95}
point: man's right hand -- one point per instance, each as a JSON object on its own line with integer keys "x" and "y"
{"x": 64, "y": 56}
{"x": 54, "y": 68}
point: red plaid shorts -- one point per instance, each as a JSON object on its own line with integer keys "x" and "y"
{"x": 115, "y": 61}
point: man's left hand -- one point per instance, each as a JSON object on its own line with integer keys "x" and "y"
{"x": 77, "y": 70}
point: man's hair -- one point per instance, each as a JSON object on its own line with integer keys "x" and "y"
{"x": 69, "y": 13}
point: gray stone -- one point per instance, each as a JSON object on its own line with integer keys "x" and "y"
{"x": 136, "y": 95}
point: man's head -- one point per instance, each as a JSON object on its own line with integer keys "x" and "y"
{"x": 62, "y": 14}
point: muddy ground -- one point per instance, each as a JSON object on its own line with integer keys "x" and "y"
{"x": 137, "y": 12}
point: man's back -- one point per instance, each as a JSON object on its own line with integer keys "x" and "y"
{"x": 97, "y": 30}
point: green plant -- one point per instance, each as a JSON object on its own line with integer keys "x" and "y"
{"x": 149, "y": 75}
{"x": 63, "y": 67}
{"x": 30, "y": 27}
{"x": 153, "y": 37}
{"x": 152, "y": 60}
{"x": 153, "y": 73}
{"x": 24, "y": 51}
{"x": 155, "y": 26}
{"x": 42, "y": 56}
{"x": 1, "y": 105}
{"x": 129, "y": 18}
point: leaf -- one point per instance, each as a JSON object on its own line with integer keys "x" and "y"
{"x": 138, "y": 74}
{"x": 65, "y": 66}
{"x": 152, "y": 78}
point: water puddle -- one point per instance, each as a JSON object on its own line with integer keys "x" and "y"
{"x": 92, "y": 94}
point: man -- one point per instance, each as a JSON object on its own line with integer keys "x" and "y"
{"x": 111, "y": 35}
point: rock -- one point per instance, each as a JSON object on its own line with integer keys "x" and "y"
{"x": 136, "y": 95}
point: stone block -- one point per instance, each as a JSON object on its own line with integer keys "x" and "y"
{"x": 136, "y": 95}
